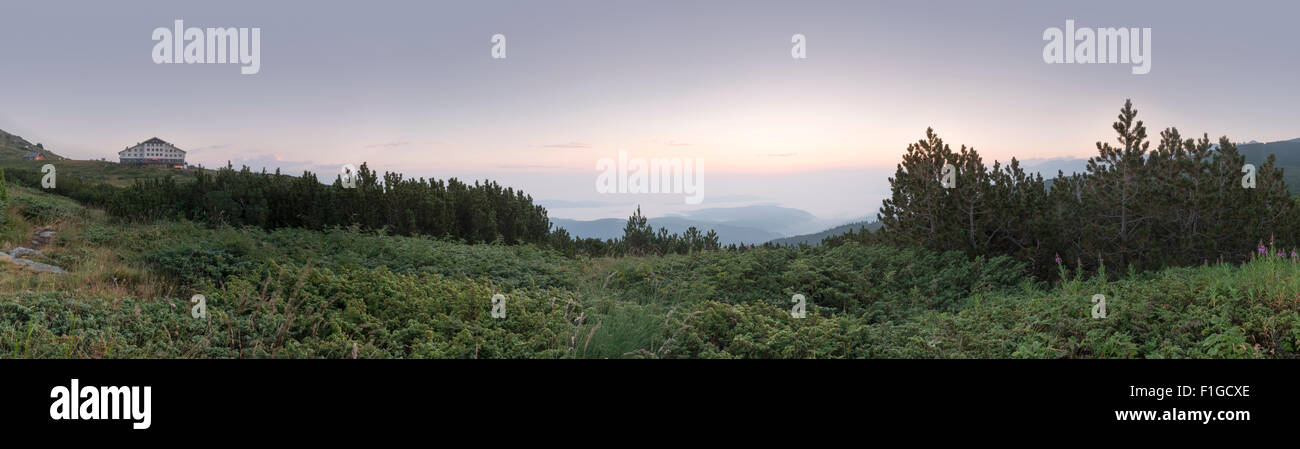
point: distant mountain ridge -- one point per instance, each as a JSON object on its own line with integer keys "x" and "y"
{"x": 612, "y": 228}
{"x": 735, "y": 225}
{"x": 815, "y": 239}
{"x": 1287, "y": 157}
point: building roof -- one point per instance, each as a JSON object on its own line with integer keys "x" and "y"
{"x": 152, "y": 140}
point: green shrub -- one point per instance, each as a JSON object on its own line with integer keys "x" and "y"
{"x": 45, "y": 210}
{"x": 295, "y": 293}
{"x": 197, "y": 263}
{"x": 99, "y": 235}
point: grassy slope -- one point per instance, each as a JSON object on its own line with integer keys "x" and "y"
{"x": 14, "y": 147}
{"x": 295, "y": 293}
{"x": 96, "y": 171}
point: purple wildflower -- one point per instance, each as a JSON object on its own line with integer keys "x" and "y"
{"x": 1281, "y": 254}
{"x": 1294, "y": 256}
{"x": 1058, "y": 259}
{"x": 1262, "y": 249}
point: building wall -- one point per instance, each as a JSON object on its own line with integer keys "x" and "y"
{"x": 153, "y": 162}
{"x": 152, "y": 155}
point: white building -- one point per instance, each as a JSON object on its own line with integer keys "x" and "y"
{"x": 154, "y": 153}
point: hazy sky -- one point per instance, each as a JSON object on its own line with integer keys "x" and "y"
{"x": 412, "y": 87}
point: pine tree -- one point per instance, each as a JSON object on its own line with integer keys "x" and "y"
{"x": 920, "y": 211}
{"x": 1117, "y": 181}
{"x": 637, "y": 234}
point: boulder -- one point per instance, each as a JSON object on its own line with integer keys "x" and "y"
{"x": 45, "y": 268}
{"x": 24, "y": 252}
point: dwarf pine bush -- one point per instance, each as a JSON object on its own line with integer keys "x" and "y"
{"x": 293, "y": 293}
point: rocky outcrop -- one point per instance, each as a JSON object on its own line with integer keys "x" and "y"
{"x": 24, "y": 252}
{"x": 18, "y": 256}
{"x": 41, "y": 267}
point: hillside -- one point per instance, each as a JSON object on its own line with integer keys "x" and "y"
{"x": 752, "y": 224}
{"x": 294, "y": 293}
{"x": 14, "y": 147}
{"x": 612, "y": 228}
{"x": 1287, "y": 154}
{"x": 95, "y": 172}
{"x": 782, "y": 221}
{"x": 816, "y": 238}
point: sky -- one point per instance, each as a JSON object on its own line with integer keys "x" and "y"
{"x": 412, "y": 87}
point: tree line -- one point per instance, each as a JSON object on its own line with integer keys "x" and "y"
{"x": 483, "y": 212}
{"x": 1184, "y": 202}
{"x": 479, "y": 212}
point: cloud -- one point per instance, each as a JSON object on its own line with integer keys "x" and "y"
{"x": 568, "y": 146}
{"x": 674, "y": 143}
{"x": 780, "y": 154}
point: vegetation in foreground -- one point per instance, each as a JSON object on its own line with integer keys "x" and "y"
{"x": 352, "y": 293}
